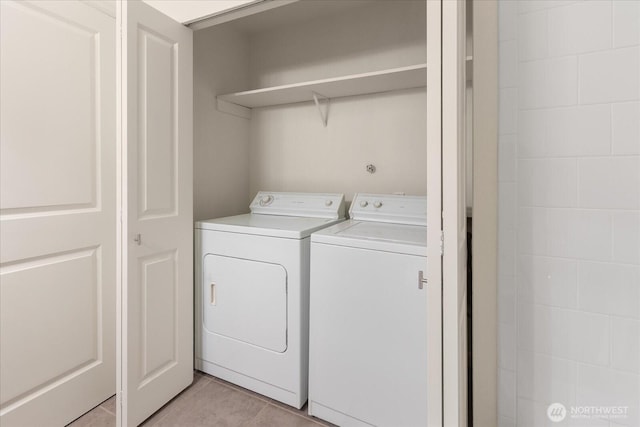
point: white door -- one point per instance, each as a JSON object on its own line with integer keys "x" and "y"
{"x": 446, "y": 215}
{"x": 57, "y": 211}
{"x": 454, "y": 260}
{"x": 434, "y": 214}
{"x": 156, "y": 316}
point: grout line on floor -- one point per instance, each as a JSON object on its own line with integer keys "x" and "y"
{"x": 107, "y": 410}
{"x": 304, "y": 417}
{"x": 266, "y": 399}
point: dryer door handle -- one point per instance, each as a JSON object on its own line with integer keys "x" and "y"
{"x": 421, "y": 280}
{"x": 213, "y": 294}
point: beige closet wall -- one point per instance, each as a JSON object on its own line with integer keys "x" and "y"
{"x": 290, "y": 149}
{"x": 221, "y": 141}
{"x": 286, "y": 148}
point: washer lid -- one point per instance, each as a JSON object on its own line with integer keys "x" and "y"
{"x": 381, "y": 236}
{"x": 291, "y": 227}
{"x": 316, "y": 205}
{"x": 389, "y": 208}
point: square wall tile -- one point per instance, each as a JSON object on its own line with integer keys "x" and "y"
{"x": 579, "y": 27}
{"x": 626, "y": 23}
{"x": 546, "y": 379}
{"x": 625, "y": 120}
{"x": 610, "y": 76}
{"x": 609, "y": 288}
{"x": 626, "y": 237}
{"x": 548, "y": 281}
{"x": 609, "y": 182}
{"x": 581, "y": 234}
{"x": 548, "y": 83}
{"x": 548, "y": 182}
{"x": 562, "y": 81}
{"x": 602, "y": 386}
{"x": 625, "y": 335}
{"x": 579, "y": 131}
{"x": 563, "y": 333}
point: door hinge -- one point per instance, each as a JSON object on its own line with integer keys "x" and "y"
{"x": 441, "y": 242}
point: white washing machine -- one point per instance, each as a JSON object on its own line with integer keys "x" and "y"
{"x": 252, "y": 292}
{"x": 368, "y": 325}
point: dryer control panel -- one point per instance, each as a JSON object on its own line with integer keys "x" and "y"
{"x": 313, "y": 205}
{"x": 411, "y": 210}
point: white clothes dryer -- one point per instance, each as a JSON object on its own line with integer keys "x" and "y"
{"x": 252, "y": 292}
{"x": 368, "y": 325}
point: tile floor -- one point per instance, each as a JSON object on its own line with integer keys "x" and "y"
{"x": 210, "y": 401}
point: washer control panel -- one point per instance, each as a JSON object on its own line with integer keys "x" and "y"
{"x": 398, "y": 209}
{"x": 315, "y": 205}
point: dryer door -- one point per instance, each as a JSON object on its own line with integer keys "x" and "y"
{"x": 245, "y": 300}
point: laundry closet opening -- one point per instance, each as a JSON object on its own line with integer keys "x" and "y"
{"x": 374, "y": 105}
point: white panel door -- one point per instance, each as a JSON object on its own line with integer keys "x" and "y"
{"x": 454, "y": 259}
{"x": 57, "y": 211}
{"x": 157, "y": 292}
{"x": 434, "y": 214}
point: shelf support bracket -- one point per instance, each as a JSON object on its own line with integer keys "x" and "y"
{"x": 324, "y": 112}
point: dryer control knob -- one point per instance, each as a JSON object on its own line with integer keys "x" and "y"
{"x": 265, "y": 200}
{"x": 328, "y": 202}
{"x": 364, "y": 204}
{"x": 377, "y": 204}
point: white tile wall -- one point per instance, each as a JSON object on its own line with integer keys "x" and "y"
{"x": 532, "y": 36}
{"x": 569, "y": 209}
{"x": 507, "y": 346}
{"x": 579, "y": 131}
{"x": 610, "y": 76}
{"x": 578, "y": 234}
{"x": 610, "y": 182}
{"x": 548, "y": 281}
{"x": 605, "y": 386}
{"x": 508, "y": 122}
{"x": 626, "y": 15}
{"x": 626, "y": 237}
{"x": 568, "y": 334}
{"x": 507, "y": 394}
{"x": 509, "y": 64}
{"x": 545, "y": 378}
{"x": 580, "y": 27}
{"x": 609, "y": 288}
{"x": 548, "y": 83}
{"x": 532, "y": 133}
{"x": 507, "y": 152}
{"x": 625, "y": 346}
{"x": 548, "y": 182}
{"x": 625, "y": 122}
{"x": 532, "y": 231}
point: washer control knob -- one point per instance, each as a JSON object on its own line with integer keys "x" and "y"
{"x": 266, "y": 200}
{"x": 364, "y": 204}
{"x": 328, "y": 202}
{"x": 377, "y": 204}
